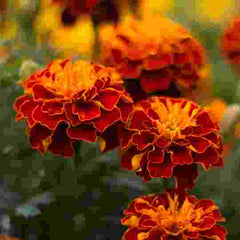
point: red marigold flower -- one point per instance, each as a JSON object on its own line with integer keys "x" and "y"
{"x": 173, "y": 215}
{"x": 77, "y": 6}
{"x": 165, "y": 137}
{"x": 66, "y": 102}
{"x": 230, "y": 42}
{"x": 157, "y": 56}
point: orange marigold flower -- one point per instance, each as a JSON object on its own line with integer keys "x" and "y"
{"x": 77, "y": 6}
{"x": 165, "y": 137}
{"x": 230, "y": 42}
{"x": 216, "y": 109}
{"x": 68, "y": 101}
{"x": 157, "y": 56}
{"x": 173, "y": 215}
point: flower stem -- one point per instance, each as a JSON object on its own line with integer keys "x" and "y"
{"x": 77, "y": 159}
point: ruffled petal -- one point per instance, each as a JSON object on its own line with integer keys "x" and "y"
{"x": 27, "y": 110}
{"x": 161, "y": 170}
{"x": 42, "y": 93}
{"x": 86, "y": 111}
{"x": 50, "y": 121}
{"x": 156, "y": 155}
{"x": 39, "y": 137}
{"x": 107, "y": 119}
{"x": 207, "y": 158}
{"x": 53, "y": 107}
{"x": 215, "y": 231}
{"x": 181, "y": 155}
{"x": 198, "y": 144}
{"x": 72, "y": 118}
{"x": 108, "y": 98}
{"x": 137, "y": 120}
{"x": 61, "y": 143}
{"x": 143, "y": 139}
{"x": 84, "y": 132}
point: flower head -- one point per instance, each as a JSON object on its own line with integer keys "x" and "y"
{"x": 165, "y": 137}
{"x": 216, "y": 109}
{"x": 230, "y": 42}
{"x": 63, "y": 31}
{"x": 68, "y": 101}
{"x": 157, "y": 56}
{"x": 173, "y": 215}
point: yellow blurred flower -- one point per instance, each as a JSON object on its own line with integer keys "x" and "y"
{"x": 215, "y": 10}
{"x": 152, "y": 7}
{"x": 216, "y": 109}
{"x": 8, "y": 25}
{"x": 69, "y": 39}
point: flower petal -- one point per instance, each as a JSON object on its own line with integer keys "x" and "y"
{"x": 184, "y": 180}
{"x": 216, "y": 231}
{"x": 18, "y": 103}
{"x": 204, "y": 120}
{"x": 156, "y": 155}
{"x": 159, "y": 62}
{"x": 86, "y": 110}
{"x": 27, "y": 109}
{"x": 198, "y": 144}
{"x": 137, "y": 119}
{"x": 61, "y": 144}
{"x": 207, "y": 158}
{"x": 125, "y": 109}
{"x": 106, "y": 119}
{"x": 126, "y": 158}
{"x": 53, "y": 107}
{"x": 162, "y": 170}
{"x": 151, "y": 83}
{"x": 108, "y": 98}
{"x": 82, "y": 132}
{"x": 37, "y": 137}
{"x": 42, "y": 93}
{"x": 180, "y": 155}
{"x": 131, "y": 234}
{"x": 50, "y": 121}
{"x": 143, "y": 139}
{"x": 73, "y": 118}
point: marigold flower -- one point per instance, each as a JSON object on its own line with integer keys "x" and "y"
{"x": 165, "y": 137}
{"x": 64, "y": 32}
{"x": 157, "y": 56}
{"x": 230, "y": 42}
{"x": 173, "y": 215}
{"x": 216, "y": 109}
{"x": 66, "y": 102}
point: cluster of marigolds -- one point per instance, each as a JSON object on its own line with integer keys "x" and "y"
{"x": 158, "y": 136}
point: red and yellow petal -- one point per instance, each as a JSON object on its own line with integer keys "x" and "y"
{"x": 50, "y": 121}
{"x": 106, "y": 119}
{"x": 143, "y": 139}
{"x": 86, "y": 111}
{"x": 108, "y": 98}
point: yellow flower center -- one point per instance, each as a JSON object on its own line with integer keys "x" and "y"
{"x": 173, "y": 117}
{"x": 72, "y": 78}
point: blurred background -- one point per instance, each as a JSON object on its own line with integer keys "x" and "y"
{"x": 49, "y": 197}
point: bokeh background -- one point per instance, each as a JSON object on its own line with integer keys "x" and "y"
{"x": 50, "y": 197}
